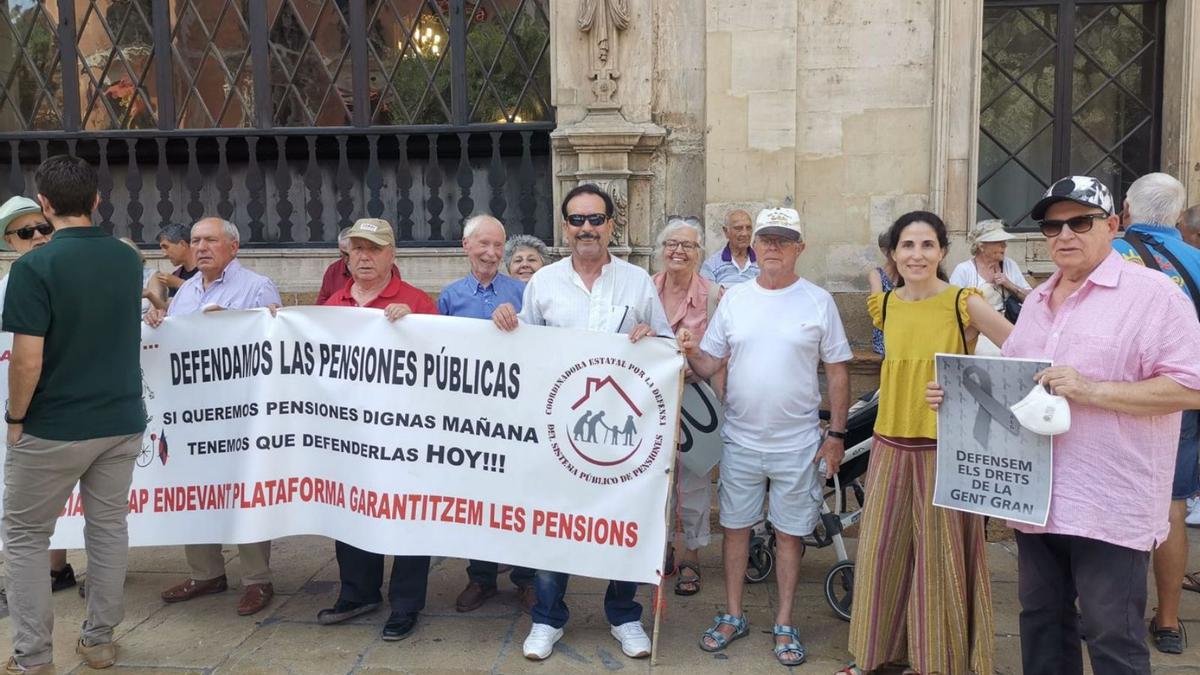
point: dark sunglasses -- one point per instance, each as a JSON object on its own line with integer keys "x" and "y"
{"x": 1078, "y": 224}
{"x": 44, "y": 229}
{"x": 594, "y": 219}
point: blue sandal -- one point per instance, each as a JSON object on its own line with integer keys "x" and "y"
{"x": 793, "y": 646}
{"x": 740, "y": 628}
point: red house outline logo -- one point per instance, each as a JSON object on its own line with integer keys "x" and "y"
{"x": 595, "y": 384}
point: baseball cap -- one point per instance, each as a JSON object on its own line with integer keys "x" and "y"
{"x": 783, "y": 222}
{"x": 990, "y": 231}
{"x": 1083, "y": 190}
{"x": 374, "y": 230}
{"x": 15, "y": 206}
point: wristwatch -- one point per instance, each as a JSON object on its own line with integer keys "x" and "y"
{"x": 8, "y": 419}
{"x": 836, "y": 434}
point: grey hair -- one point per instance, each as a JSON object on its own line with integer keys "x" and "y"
{"x": 1156, "y": 199}
{"x": 344, "y": 234}
{"x": 474, "y": 222}
{"x": 1190, "y": 218}
{"x": 525, "y": 241}
{"x": 175, "y": 233}
{"x": 676, "y": 224}
{"x": 231, "y": 230}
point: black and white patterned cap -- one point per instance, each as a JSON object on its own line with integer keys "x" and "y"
{"x": 1079, "y": 189}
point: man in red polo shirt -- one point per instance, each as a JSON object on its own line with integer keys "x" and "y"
{"x": 375, "y": 283}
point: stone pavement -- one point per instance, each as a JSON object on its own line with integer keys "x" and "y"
{"x": 206, "y": 635}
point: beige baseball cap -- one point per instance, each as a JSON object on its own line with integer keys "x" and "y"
{"x": 375, "y": 230}
{"x": 783, "y": 222}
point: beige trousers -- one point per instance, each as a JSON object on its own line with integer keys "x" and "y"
{"x": 39, "y": 475}
{"x": 207, "y": 561}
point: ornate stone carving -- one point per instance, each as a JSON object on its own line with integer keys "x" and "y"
{"x": 617, "y": 189}
{"x": 603, "y": 20}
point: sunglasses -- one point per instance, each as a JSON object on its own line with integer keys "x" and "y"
{"x": 44, "y": 229}
{"x": 1078, "y": 224}
{"x": 593, "y": 219}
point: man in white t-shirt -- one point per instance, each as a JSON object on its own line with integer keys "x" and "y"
{"x": 775, "y": 331}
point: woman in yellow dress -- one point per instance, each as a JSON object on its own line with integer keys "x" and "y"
{"x": 921, "y": 594}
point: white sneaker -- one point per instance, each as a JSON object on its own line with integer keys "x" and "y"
{"x": 1193, "y": 514}
{"x": 540, "y": 643}
{"x": 634, "y": 641}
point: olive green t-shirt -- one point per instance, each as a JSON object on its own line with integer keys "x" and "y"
{"x": 82, "y": 293}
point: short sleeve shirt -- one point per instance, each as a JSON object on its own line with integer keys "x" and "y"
{"x": 471, "y": 299}
{"x": 91, "y": 383}
{"x": 397, "y": 291}
{"x": 775, "y": 339}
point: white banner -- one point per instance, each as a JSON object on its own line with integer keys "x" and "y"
{"x": 544, "y": 447}
{"x": 987, "y": 463}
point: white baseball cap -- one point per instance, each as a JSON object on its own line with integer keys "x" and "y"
{"x": 783, "y": 222}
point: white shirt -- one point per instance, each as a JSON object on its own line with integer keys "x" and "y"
{"x": 966, "y": 275}
{"x": 774, "y": 340}
{"x": 621, "y": 298}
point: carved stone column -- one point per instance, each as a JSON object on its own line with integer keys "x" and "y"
{"x": 605, "y": 133}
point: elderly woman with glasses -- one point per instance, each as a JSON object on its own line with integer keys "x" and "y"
{"x": 689, "y": 301}
{"x": 990, "y": 270}
{"x": 524, "y": 254}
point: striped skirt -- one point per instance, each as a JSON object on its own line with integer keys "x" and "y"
{"x": 922, "y": 595}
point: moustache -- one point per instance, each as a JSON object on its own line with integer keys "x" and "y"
{"x": 587, "y": 237}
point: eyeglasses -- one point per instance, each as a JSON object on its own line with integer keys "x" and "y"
{"x": 771, "y": 241}
{"x": 1078, "y": 224}
{"x": 672, "y": 244}
{"x": 593, "y": 219}
{"x": 44, "y": 229}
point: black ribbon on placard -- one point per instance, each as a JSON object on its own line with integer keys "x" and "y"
{"x": 979, "y": 384}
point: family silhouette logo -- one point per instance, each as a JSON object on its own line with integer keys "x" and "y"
{"x": 607, "y": 420}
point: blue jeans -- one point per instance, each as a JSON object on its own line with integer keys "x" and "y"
{"x": 619, "y": 605}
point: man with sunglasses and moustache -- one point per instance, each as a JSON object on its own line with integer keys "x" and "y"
{"x": 1125, "y": 345}
{"x": 588, "y": 290}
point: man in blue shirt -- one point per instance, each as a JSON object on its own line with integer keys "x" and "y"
{"x": 1154, "y": 203}
{"x": 736, "y": 262}
{"x": 476, "y": 296}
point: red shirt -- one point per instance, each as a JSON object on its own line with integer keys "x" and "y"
{"x": 335, "y": 277}
{"x": 397, "y": 291}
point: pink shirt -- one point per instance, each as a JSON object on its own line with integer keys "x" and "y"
{"x": 1112, "y": 471}
{"x": 692, "y": 313}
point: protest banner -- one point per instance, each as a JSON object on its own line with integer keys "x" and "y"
{"x": 700, "y": 443}
{"x": 987, "y": 463}
{"x": 543, "y": 447}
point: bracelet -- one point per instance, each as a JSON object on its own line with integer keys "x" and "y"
{"x": 836, "y": 434}
{"x": 8, "y": 419}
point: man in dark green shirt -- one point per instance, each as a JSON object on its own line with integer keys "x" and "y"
{"x": 75, "y": 412}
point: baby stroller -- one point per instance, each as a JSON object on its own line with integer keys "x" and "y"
{"x": 839, "y": 580}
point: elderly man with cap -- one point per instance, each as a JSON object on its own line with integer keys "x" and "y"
{"x": 221, "y": 284}
{"x": 736, "y": 262}
{"x": 1154, "y": 203}
{"x": 476, "y": 296}
{"x": 25, "y": 228}
{"x": 775, "y": 332}
{"x": 590, "y": 289}
{"x": 376, "y": 284}
{"x": 1125, "y": 345}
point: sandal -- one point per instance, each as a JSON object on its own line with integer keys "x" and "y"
{"x": 741, "y": 628}
{"x": 1191, "y": 582}
{"x": 793, "y": 647}
{"x": 850, "y": 669}
{"x": 1168, "y": 640}
{"x": 690, "y": 577}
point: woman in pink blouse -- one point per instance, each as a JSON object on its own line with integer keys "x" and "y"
{"x": 689, "y": 301}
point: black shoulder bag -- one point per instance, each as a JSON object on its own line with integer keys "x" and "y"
{"x": 1142, "y": 245}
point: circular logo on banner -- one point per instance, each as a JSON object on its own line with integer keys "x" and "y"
{"x": 607, "y": 420}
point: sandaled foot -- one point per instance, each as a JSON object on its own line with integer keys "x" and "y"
{"x": 1168, "y": 639}
{"x": 1191, "y": 582}
{"x": 849, "y": 669}
{"x": 688, "y": 582}
{"x": 788, "y": 650}
{"x": 726, "y": 628}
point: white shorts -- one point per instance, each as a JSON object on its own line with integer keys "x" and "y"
{"x": 796, "y": 489}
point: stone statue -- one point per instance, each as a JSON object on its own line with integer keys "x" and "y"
{"x": 603, "y": 20}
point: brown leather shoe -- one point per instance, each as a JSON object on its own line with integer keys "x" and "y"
{"x": 473, "y": 597}
{"x": 98, "y": 656}
{"x": 192, "y": 588}
{"x": 255, "y": 598}
{"x": 527, "y": 596}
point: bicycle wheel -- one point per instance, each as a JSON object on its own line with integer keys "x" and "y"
{"x": 761, "y": 562}
{"x": 839, "y": 588}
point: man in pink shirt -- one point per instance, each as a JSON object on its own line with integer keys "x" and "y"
{"x": 1126, "y": 351}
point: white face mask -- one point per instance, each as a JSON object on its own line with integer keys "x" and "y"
{"x": 1042, "y": 412}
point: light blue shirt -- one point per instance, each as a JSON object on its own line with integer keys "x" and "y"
{"x": 236, "y": 288}
{"x": 721, "y": 268}
{"x": 469, "y": 298}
